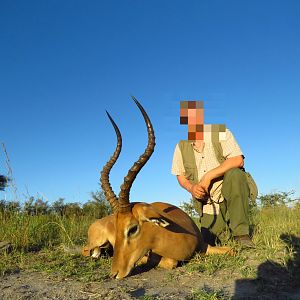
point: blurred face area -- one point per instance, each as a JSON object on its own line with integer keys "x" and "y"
{"x": 192, "y": 114}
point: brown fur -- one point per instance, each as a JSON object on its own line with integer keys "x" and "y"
{"x": 163, "y": 229}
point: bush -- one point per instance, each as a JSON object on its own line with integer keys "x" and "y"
{"x": 97, "y": 207}
{"x": 4, "y": 180}
{"x": 276, "y": 199}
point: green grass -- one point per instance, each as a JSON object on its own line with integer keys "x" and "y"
{"x": 57, "y": 262}
{"x": 26, "y": 232}
{"x": 147, "y": 297}
{"x": 207, "y": 294}
{"x": 277, "y": 239}
{"x": 38, "y": 245}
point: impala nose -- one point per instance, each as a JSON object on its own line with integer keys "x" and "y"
{"x": 116, "y": 276}
{"x": 113, "y": 274}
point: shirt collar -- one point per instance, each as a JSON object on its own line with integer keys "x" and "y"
{"x": 198, "y": 149}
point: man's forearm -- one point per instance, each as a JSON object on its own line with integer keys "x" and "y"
{"x": 230, "y": 163}
{"x": 195, "y": 189}
{"x": 199, "y": 190}
{"x": 184, "y": 183}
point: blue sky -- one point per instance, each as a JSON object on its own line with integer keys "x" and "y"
{"x": 62, "y": 63}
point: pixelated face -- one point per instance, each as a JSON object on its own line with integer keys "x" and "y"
{"x": 192, "y": 114}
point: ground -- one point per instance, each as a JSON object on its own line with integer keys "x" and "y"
{"x": 249, "y": 279}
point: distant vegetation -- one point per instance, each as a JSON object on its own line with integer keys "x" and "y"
{"x": 271, "y": 200}
{"x": 278, "y": 199}
{"x": 97, "y": 207}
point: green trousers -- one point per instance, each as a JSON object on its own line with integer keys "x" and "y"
{"x": 234, "y": 210}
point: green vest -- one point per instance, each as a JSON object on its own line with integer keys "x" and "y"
{"x": 189, "y": 162}
{"x": 190, "y": 168}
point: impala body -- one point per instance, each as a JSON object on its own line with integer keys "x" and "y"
{"x": 138, "y": 229}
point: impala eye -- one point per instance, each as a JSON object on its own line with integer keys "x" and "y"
{"x": 132, "y": 230}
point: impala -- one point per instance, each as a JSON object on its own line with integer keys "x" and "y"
{"x": 138, "y": 229}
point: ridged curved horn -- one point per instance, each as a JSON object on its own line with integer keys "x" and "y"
{"x": 104, "y": 179}
{"x": 124, "y": 204}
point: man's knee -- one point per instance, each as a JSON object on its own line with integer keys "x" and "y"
{"x": 234, "y": 174}
{"x": 235, "y": 183}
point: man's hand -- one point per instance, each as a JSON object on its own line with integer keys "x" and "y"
{"x": 205, "y": 182}
{"x": 198, "y": 192}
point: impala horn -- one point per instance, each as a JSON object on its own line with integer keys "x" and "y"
{"x": 124, "y": 203}
{"x": 104, "y": 178}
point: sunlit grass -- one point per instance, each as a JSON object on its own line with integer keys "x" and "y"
{"x": 274, "y": 229}
{"x": 27, "y": 232}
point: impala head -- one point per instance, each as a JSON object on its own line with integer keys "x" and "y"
{"x": 131, "y": 221}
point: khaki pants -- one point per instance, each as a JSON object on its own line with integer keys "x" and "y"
{"x": 234, "y": 210}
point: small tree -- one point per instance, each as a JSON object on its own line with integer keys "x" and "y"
{"x": 28, "y": 207}
{"x": 41, "y": 207}
{"x": 72, "y": 209}
{"x": 98, "y": 206}
{"x": 3, "y": 205}
{"x": 36, "y": 206}
{"x": 4, "y": 180}
{"x": 13, "y": 206}
{"x": 58, "y": 207}
{"x": 189, "y": 208}
{"x": 276, "y": 199}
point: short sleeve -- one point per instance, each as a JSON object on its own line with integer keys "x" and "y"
{"x": 177, "y": 164}
{"x": 230, "y": 146}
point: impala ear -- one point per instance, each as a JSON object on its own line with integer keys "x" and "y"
{"x": 147, "y": 213}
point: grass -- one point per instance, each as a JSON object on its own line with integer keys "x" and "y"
{"x": 57, "y": 262}
{"x": 38, "y": 245}
{"x": 26, "y": 232}
{"x": 207, "y": 294}
{"x": 38, "y": 242}
{"x": 273, "y": 266}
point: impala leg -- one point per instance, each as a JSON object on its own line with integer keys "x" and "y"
{"x": 91, "y": 251}
{"x": 96, "y": 252}
{"x": 219, "y": 250}
{"x": 168, "y": 263}
{"x": 143, "y": 260}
